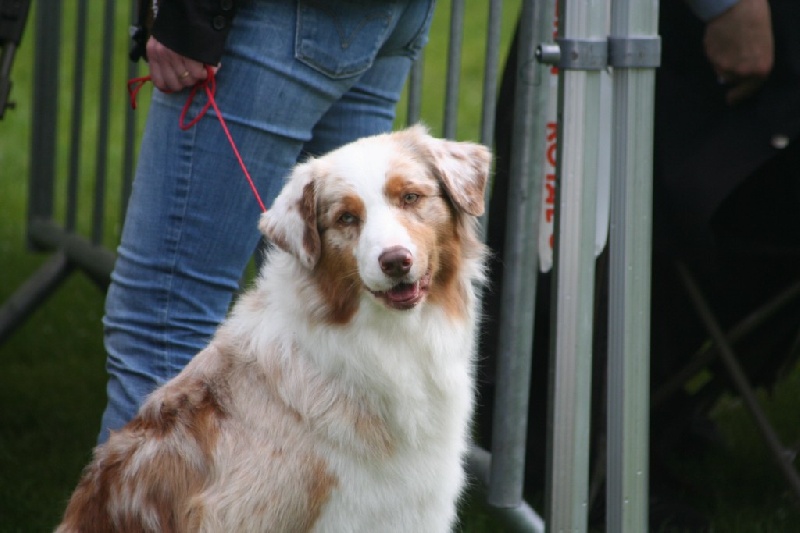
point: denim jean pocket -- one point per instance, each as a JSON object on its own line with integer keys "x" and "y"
{"x": 422, "y": 16}
{"x": 341, "y": 38}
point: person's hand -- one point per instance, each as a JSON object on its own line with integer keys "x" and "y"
{"x": 739, "y": 45}
{"x": 170, "y": 71}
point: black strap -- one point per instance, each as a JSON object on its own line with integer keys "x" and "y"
{"x": 140, "y": 32}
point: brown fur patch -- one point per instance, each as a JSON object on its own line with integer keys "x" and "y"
{"x": 462, "y": 168}
{"x": 401, "y": 182}
{"x": 446, "y": 290}
{"x": 373, "y": 430}
{"x": 87, "y": 509}
{"x": 185, "y": 423}
{"x": 319, "y": 485}
{"x": 336, "y": 274}
{"x": 349, "y": 203}
{"x": 308, "y": 212}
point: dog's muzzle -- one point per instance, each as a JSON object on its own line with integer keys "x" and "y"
{"x": 396, "y": 263}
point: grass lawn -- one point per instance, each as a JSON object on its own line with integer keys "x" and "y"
{"x": 52, "y": 378}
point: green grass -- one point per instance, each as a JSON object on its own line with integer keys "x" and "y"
{"x": 52, "y": 379}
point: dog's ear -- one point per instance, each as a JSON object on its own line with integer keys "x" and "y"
{"x": 291, "y": 222}
{"x": 462, "y": 167}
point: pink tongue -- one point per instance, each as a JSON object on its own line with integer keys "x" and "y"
{"x": 403, "y": 292}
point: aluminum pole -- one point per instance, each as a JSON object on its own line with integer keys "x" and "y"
{"x": 634, "y": 52}
{"x": 583, "y": 31}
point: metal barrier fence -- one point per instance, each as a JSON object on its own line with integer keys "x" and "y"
{"x": 80, "y": 237}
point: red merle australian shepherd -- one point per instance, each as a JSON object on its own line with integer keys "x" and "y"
{"x": 337, "y": 394}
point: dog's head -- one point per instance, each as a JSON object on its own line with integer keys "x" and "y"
{"x": 389, "y": 216}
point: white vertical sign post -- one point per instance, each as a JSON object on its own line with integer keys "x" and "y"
{"x": 603, "y": 171}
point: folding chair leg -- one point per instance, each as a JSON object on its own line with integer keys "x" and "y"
{"x": 780, "y": 453}
{"x": 703, "y": 357}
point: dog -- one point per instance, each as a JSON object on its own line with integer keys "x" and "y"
{"x": 337, "y": 394}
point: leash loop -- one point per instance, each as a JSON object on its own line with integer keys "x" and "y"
{"x": 209, "y": 86}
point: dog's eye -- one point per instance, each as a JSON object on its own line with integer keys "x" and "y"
{"x": 347, "y": 219}
{"x": 410, "y": 198}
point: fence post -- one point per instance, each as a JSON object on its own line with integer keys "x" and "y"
{"x": 41, "y": 185}
{"x": 582, "y": 60}
{"x": 518, "y": 295}
{"x": 45, "y": 110}
{"x": 634, "y": 52}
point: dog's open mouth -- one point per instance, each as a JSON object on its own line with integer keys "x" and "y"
{"x": 405, "y": 295}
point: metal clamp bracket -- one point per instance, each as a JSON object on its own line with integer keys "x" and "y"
{"x": 575, "y": 54}
{"x": 588, "y": 54}
{"x": 634, "y": 52}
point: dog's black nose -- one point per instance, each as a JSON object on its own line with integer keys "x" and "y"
{"x": 396, "y": 261}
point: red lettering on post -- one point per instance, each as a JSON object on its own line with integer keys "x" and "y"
{"x": 551, "y": 139}
{"x": 550, "y": 199}
{"x": 552, "y": 132}
{"x": 554, "y": 68}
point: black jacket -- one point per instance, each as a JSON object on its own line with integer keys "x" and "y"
{"x": 196, "y": 29}
{"x": 704, "y": 148}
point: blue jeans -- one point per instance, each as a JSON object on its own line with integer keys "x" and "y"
{"x": 297, "y": 77}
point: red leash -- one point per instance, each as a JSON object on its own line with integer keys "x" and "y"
{"x": 210, "y": 86}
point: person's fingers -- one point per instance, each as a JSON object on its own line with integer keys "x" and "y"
{"x": 170, "y": 71}
{"x": 175, "y": 72}
{"x": 190, "y": 72}
{"x": 739, "y": 45}
{"x": 742, "y": 90}
{"x": 155, "y": 62}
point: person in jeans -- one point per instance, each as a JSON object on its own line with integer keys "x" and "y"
{"x": 293, "y": 78}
